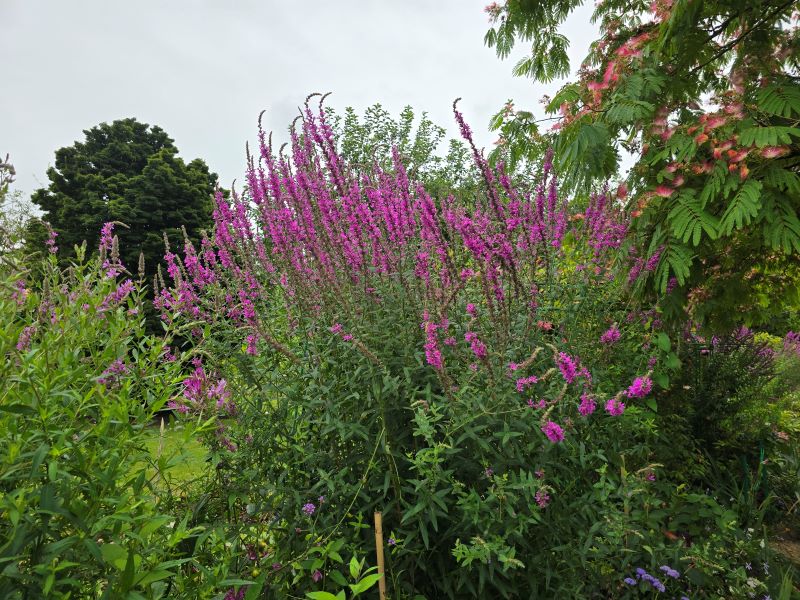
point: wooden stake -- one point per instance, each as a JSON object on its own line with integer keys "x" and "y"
{"x": 379, "y": 550}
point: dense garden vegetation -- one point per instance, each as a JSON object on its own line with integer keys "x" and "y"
{"x": 547, "y": 381}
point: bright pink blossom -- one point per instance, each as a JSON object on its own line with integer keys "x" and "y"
{"x": 568, "y": 367}
{"x": 611, "y": 336}
{"x": 615, "y": 407}
{"x": 640, "y": 387}
{"x": 553, "y": 432}
{"x": 587, "y": 406}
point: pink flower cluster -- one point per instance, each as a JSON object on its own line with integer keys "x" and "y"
{"x": 525, "y": 382}
{"x": 115, "y": 298}
{"x": 432, "y": 352}
{"x": 476, "y": 345}
{"x": 20, "y": 293}
{"x": 50, "y": 242}
{"x": 111, "y": 376}
{"x": 111, "y": 263}
{"x": 611, "y": 336}
{"x": 553, "y": 431}
{"x": 587, "y": 405}
{"x": 201, "y": 392}
{"x": 24, "y": 340}
{"x": 640, "y": 387}
{"x": 615, "y": 407}
{"x": 569, "y": 368}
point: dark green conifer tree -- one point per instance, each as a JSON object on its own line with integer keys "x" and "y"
{"x": 130, "y": 172}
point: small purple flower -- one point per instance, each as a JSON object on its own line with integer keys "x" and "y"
{"x": 615, "y": 407}
{"x": 553, "y": 432}
{"x": 113, "y": 373}
{"x": 542, "y": 498}
{"x": 611, "y": 336}
{"x": 524, "y": 382}
{"x": 51, "y": 242}
{"x": 672, "y": 283}
{"x": 630, "y": 581}
{"x": 477, "y": 346}
{"x": 24, "y": 341}
{"x": 567, "y": 366}
{"x": 107, "y": 236}
{"x": 316, "y": 575}
{"x": 232, "y": 594}
{"x": 655, "y": 582}
{"x": 252, "y": 345}
{"x": 669, "y": 571}
{"x": 587, "y": 406}
{"x": 391, "y": 541}
{"x": 309, "y": 509}
{"x": 640, "y": 387}
{"x": 21, "y": 293}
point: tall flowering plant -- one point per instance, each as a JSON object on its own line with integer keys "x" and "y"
{"x": 420, "y": 355}
{"x": 87, "y": 510}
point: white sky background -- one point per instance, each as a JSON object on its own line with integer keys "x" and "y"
{"x": 203, "y": 70}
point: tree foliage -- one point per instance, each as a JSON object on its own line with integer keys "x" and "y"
{"x": 372, "y": 139}
{"x": 130, "y": 172}
{"x": 704, "y": 97}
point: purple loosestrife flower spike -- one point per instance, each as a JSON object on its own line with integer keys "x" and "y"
{"x": 24, "y": 341}
{"x": 567, "y": 366}
{"x": 477, "y": 346}
{"x": 640, "y": 387}
{"x": 611, "y": 336}
{"x": 50, "y": 242}
{"x": 587, "y": 406}
{"x": 524, "y": 382}
{"x": 553, "y": 432}
{"x": 615, "y": 407}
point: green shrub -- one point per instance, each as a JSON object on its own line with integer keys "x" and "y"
{"x": 82, "y": 511}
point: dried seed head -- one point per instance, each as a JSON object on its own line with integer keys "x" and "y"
{"x": 115, "y": 249}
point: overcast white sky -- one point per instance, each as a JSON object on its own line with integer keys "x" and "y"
{"x": 203, "y": 70}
